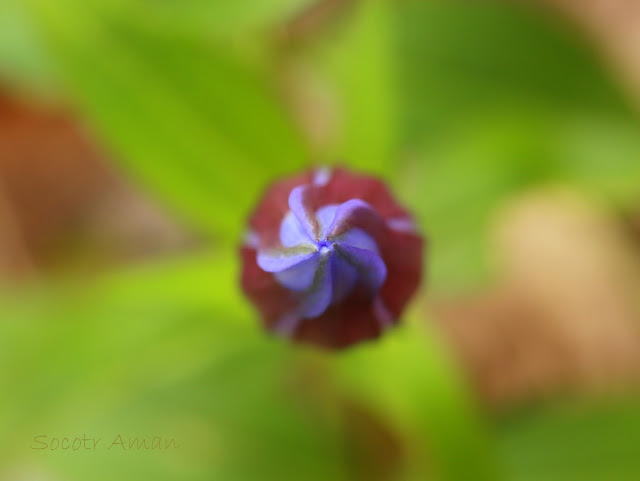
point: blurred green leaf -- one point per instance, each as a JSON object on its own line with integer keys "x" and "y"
{"x": 173, "y": 349}
{"x": 358, "y": 60}
{"x": 602, "y": 155}
{"x": 219, "y": 18}
{"x": 466, "y": 178}
{"x": 169, "y": 350}
{"x": 569, "y": 441}
{"x": 23, "y": 61}
{"x": 497, "y": 98}
{"x": 474, "y": 171}
{"x": 193, "y": 120}
{"x": 460, "y": 59}
{"x": 409, "y": 379}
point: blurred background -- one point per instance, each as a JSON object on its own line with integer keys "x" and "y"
{"x": 135, "y": 138}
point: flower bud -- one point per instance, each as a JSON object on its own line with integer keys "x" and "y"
{"x": 330, "y": 258}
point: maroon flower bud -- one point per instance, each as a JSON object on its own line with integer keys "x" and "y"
{"x": 330, "y": 258}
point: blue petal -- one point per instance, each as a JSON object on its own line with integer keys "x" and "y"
{"x": 344, "y": 276}
{"x": 371, "y": 269}
{"x": 325, "y": 216}
{"x": 298, "y": 204}
{"x": 292, "y": 233}
{"x": 300, "y": 276}
{"x": 277, "y": 260}
{"x": 357, "y": 238}
{"x": 354, "y": 212}
{"x": 317, "y": 299}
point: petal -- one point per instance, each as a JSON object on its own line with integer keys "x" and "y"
{"x": 357, "y": 238}
{"x": 354, "y": 213}
{"x": 316, "y": 300}
{"x": 344, "y": 276}
{"x": 300, "y": 205}
{"x": 371, "y": 268}
{"x": 276, "y": 260}
{"x": 325, "y": 216}
{"x": 266, "y": 218}
{"x": 300, "y": 276}
{"x": 270, "y": 298}
{"x": 292, "y": 233}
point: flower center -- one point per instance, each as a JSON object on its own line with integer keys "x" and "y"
{"x": 325, "y": 271}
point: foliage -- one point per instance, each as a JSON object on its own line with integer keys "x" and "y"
{"x": 458, "y": 105}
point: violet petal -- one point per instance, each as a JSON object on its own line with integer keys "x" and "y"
{"x": 325, "y": 216}
{"x": 299, "y": 205}
{"x": 276, "y": 260}
{"x": 300, "y": 276}
{"x": 357, "y": 238}
{"x": 352, "y": 213}
{"x": 371, "y": 268}
{"x": 292, "y": 232}
{"x": 344, "y": 276}
{"x": 317, "y": 299}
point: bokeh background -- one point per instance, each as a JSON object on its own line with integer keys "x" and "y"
{"x": 135, "y": 137}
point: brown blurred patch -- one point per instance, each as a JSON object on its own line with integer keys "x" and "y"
{"x": 374, "y": 451}
{"x": 309, "y": 21}
{"x": 566, "y": 313}
{"x": 49, "y": 174}
{"x": 60, "y": 203}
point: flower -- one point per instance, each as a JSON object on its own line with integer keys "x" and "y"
{"x": 330, "y": 258}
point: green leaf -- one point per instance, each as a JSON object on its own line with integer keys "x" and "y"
{"x": 409, "y": 379}
{"x": 173, "y": 349}
{"x": 193, "y": 120}
{"x": 219, "y": 18}
{"x": 358, "y": 61}
{"x": 496, "y": 99}
{"x": 458, "y": 60}
{"x": 23, "y": 61}
{"x": 167, "y": 350}
{"x": 577, "y": 440}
